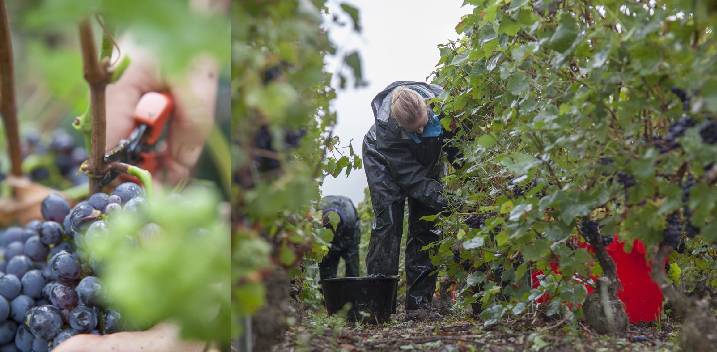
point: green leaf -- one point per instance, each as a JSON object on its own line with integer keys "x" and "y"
{"x": 519, "y": 211}
{"x": 509, "y": 26}
{"x": 709, "y": 93}
{"x": 353, "y": 12}
{"x": 486, "y": 141}
{"x": 459, "y": 59}
{"x": 519, "y": 163}
{"x": 565, "y": 34}
{"x": 473, "y": 243}
{"x": 518, "y": 83}
{"x": 353, "y": 60}
{"x": 537, "y": 250}
{"x": 430, "y": 218}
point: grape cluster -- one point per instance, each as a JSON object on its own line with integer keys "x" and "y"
{"x": 66, "y": 157}
{"x": 47, "y": 290}
{"x": 671, "y": 235}
{"x": 676, "y": 130}
{"x": 709, "y": 132}
{"x": 690, "y": 230}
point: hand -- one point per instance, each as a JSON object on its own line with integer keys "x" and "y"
{"x": 161, "y": 338}
{"x": 194, "y": 95}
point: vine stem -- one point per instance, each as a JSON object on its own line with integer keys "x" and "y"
{"x": 97, "y": 75}
{"x": 680, "y": 303}
{"x": 143, "y": 175}
{"x": 8, "y": 107}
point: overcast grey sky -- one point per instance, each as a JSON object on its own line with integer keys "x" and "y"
{"x": 399, "y": 41}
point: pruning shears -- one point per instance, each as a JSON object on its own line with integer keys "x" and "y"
{"x": 141, "y": 148}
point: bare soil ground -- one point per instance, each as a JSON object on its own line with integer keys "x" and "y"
{"x": 457, "y": 332}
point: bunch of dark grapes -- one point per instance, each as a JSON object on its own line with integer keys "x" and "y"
{"x": 690, "y": 230}
{"x": 62, "y": 150}
{"x": 671, "y": 235}
{"x": 709, "y": 132}
{"x": 48, "y": 291}
{"x": 676, "y": 130}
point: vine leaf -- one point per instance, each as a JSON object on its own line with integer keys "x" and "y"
{"x": 564, "y": 35}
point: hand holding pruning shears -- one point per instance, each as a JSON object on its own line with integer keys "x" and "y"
{"x": 137, "y": 115}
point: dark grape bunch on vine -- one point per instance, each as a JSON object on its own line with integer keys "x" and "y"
{"x": 48, "y": 291}
{"x": 60, "y": 156}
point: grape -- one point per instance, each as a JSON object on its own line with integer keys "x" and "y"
{"x": 114, "y": 199}
{"x": 82, "y": 213}
{"x": 83, "y": 318}
{"x": 45, "y": 322}
{"x": 78, "y": 178}
{"x": 18, "y": 265}
{"x": 19, "y": 307}
{"x": 97, "y": 227}
{"x": 62, "y": 337}
{"x": 9, "y": 348}
{"x": 89, "y": 291}
{"x": 4, "y": 309}
{"x": 63, "y": 297}
{"x": 14, "y": 249}
{"x": 10, "y": 286}
{"x": 24, "y": 339}
{"x": 61, "y": 141}
{"x": 79, "y": 155}
{"x": 112, "y": 207}
{"x": 7, "y": 331}
{"x": 64, "y": 164}
{"x": 39, "y": 345}
{"x": 34, "y": 225}
{"x": 127, "y": 191}
{"x": 709, "y": 133}
{"x": 39, "y": 173}
{"x": 36, "y": 250}
{"x": 55, "y": 208}
{"x": 99, "y": 201}
{"x": 46, "y": 291}
{"x": 32, "y": 283}
{"x": 12, "y": 234}
{"x": 65, "y": 266}
{"x": 62, "y": 246}
{"x": 50, "y": 233}
{"x": 26, "y": 234}
{"x": 134, "y": 204}
{"x": 292, "y": 138}
{"x": 671, "y": 236}
{"x": 112, "y": 321}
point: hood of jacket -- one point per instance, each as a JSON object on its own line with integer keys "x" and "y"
{"x": 381, "y": 103}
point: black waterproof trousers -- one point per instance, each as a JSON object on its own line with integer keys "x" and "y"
{"x": 388, "y": 199}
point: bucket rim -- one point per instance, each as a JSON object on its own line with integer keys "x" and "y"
{"x": 360, "y": 278}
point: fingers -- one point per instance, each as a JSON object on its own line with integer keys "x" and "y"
{"x": 195, "y": 97}
{"x": 141, "y": 76}
{"x": 162, "y": 338}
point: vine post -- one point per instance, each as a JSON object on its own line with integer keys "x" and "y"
{"x": 8, "y": 107}
{"x": 97, "y": 75}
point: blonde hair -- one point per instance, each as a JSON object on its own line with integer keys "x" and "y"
{"x": 407, "y": 106}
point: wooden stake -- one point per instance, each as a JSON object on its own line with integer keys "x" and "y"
{"x": 8, "y": 107}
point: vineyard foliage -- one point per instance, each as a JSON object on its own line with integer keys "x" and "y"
{"x": 568, "y": 111}
{"x": 283, "y": 143}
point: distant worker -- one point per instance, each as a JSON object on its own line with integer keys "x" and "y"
{"x": 347, "y": 235}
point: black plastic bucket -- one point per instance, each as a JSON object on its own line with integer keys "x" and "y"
{"x": 372, "y": 298}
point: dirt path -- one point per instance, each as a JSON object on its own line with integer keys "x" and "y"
{"x": 456, "y": 333}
